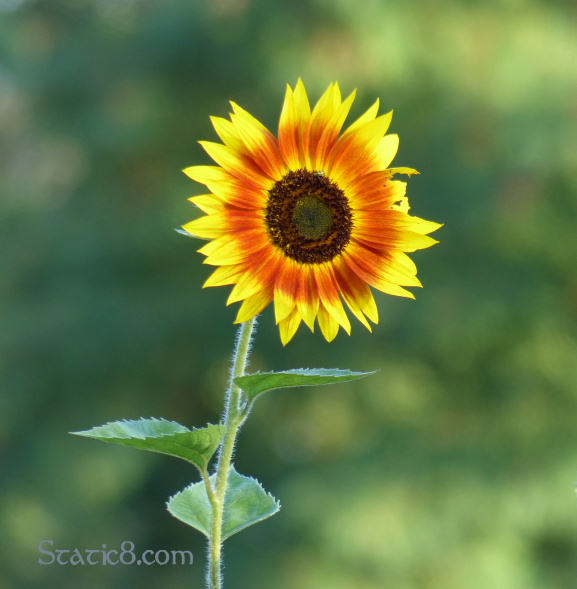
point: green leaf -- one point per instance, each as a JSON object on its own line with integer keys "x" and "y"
{"x": 245, "y": 503}
{"x": 160, "y": 435}
{"x": 253, "y": 385}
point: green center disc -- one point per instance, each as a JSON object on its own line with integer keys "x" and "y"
{"x": 312, "y": 218}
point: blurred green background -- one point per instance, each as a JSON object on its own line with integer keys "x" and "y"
{"x": 454, "y": 466}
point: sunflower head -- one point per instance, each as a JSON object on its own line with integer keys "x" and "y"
{"x": 309, "y": 219}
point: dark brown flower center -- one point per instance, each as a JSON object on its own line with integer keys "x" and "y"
{"x": 308, "y": 217}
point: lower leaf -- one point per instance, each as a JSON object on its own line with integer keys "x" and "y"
{"x": 245, "y": 504}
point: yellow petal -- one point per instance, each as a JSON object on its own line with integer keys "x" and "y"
{"x": 368, "y": 306}
{"x": 206, "y": 227}
{"x": 386, "y": 150}
{"x": 289, "y": 326}
{"x": 251, "y": 121}
{"x": 371, "y": 130}
{"x": 402, "y": 259}
{"x": 307, "y": 298}
{"x": 328, "y": 295}
{"x": 294, "y": 121}
{"x": 329, "y": 327}
{"x": 398, "y": 274}
{"x": 401, "y": 239}
{"x": 212, "y": 246}
{"x": 390, "y": 225}
{"x": 301, "y": 103}
{"x": 410, "y": 241}
{"x": 401, "y": 205}
{"x": 330, "y": 99}
{"x": 226, "y": 250}
{"x": 247, "y": 286}
{"x": 384, "y": 264}
{"x": 223, "y": 276}
{"x": 232, "y": 163}
{"x": 253, "y": 305}
{"x": 228, "y": 134}
{"x": 308, "y": 311}
{"x": 371, "y": 274}
{"x": 406, "y": 171}
{"x": 237, "y": 193}
{"x": 330, "y": 133}
{"x": 258, "y": 277}
{"x": 393, "y": 289}
{"x": 285, "y": 289}
{"x": 355, "y": 293}
{"x": 288, "y": 131}
{"x": 323, "y": 112}
{"x": 367, "y": 116}
{"x": 207, "y": 203}
{"x": 259, "y": 142}
{"x": 202, "y": 174}
{"x": 355, "y": 151}
{"x": 422, "y": 225}
{"x": 356, "y": 310}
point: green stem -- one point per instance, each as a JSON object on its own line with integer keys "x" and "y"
{"x": 232, "y": 419}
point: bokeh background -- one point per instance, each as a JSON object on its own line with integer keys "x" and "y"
{"x": 455, "y": 465}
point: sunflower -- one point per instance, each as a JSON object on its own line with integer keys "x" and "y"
{"x": 309, "y": 219}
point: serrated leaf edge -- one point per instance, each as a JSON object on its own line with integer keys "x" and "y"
{"x": 172, "y": 497}
{"x": 275, "y": 501}
{"x": 85, "y": 433}
{"x": 354, "y": 375}
{"x": 200, "y": 462}
{"x": 301, "y": 370}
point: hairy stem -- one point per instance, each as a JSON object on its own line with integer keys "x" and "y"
{"x": 232, "y": 420}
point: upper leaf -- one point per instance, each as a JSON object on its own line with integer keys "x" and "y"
{"x": 253, "y": 385}
{"x": 196, "y": 445}
{"x": 245, "y": 503}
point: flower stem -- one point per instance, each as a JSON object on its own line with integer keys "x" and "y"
{"x": 232, "y": 419}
